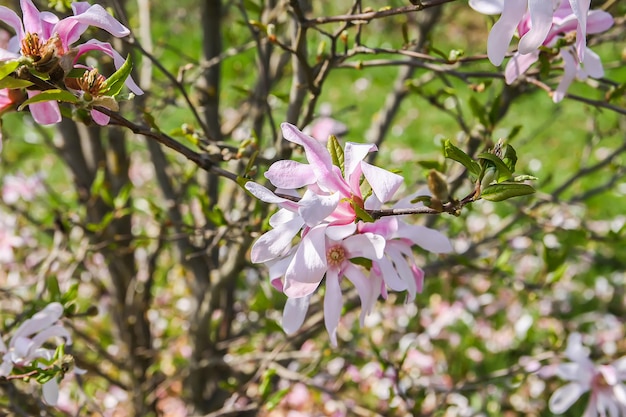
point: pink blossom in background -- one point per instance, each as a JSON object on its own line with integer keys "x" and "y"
{"x": 20, "y": 186}
{"x": 324, "y": 126}
{"x": 8, "y": 238}
{"x": 606, "y": 384}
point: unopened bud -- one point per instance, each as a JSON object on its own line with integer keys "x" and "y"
{"x": 438, "y": 186}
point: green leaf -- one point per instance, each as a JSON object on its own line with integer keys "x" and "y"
{"x": 7, "y": 67}
{"x": 452, "y": 152}
{"x": 14, "y": 83}
{"x": 336, "y": 152}
{"x": 113, "y": 85}
{"x": 216, "y": 216}
{"x": 275, "y": 398}
{"x": 52, "y": 284}
{"x": 361, "y": 214}
{"x": 504, "y": 173}
{"x": 505, "y": 190}
{"x": 509, "y": 157}
{"x": 50, "y": 95}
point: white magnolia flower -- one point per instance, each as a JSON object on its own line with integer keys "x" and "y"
{"x": 26, "y": 345}
{"x": 605, "y": 383}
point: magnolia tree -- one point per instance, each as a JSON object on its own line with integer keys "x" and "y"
{"x": 294, "y": 208}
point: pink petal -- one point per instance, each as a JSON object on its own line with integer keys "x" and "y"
{"x": 30, "y": 17}
{"x": 333, "y": 304}
{"x": 541, "y": 18}
{"x": 98, "y": 17}
{"x": 599, "y": 21}
{"x": 581, "y": 9}
{"x": 45, "y": 112}
{"x": 502, "y": 32}
{"x": 100, "y": 118}
{"x": 518, "y": 65}
{"x": 11, "y": 18}
{"x": 592, "y": 65}
{"x": 290, "y": 174}
{"x": 389, "y": 275}
{"x": 569, "y": 74}
{"x": 295, "y": 313}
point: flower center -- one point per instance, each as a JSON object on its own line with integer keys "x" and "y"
{"x": 335, "y": 255}
{"x": 91, "y": 82}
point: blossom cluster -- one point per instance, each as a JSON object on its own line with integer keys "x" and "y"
{"x": 43, "y": 58}
{"x": 551, "y": 24}
{"x": 337, "y": 236}
{"x": 26, "y": 347}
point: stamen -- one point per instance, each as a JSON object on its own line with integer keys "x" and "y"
{"x": 335, "y": 255}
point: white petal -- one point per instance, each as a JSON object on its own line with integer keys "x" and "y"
{"x": 487, "y": 6}
{"x": 51, "y": 392}
{"x": 295, "y": 313}
{"x": 564, "y": 397}
{"x": 384, "y": 183}
{"x": 39, "y": 321}
{"x": 333, "y": 304}
{"x": 428, "y": 239}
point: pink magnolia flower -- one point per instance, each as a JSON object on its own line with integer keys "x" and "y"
{"x": 564, "y": 21}
{"x": 605, "y": 383}
{"x": 397, "y": 268}
{"x": 540, "y": 14}
{"x": 43, "y": 37}
{"x": 26, "y": 345}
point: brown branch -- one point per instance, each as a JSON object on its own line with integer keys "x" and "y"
{"x": 368, "y": 16}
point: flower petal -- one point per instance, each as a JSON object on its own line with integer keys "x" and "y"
{"x": 487, "y": 6}
{"x": 45, "y": 112}
{"x": 273, "y": 243}
{"x": 541, "y": 17}
{"x": 333, "y": 304}
{"x": 384, "y": 183}
{"x": 502, "y": 32}
{"x": 51, "y": 392}
{"x": 518, "y": 65}
{"x": 309, "y": 263}
{"x": 290, "y": 174}
{"x": 428, "y": 239}
{"x": 564, "y": 397}
{"x": 295, "y": 313}
{"x": 39, "y": 321}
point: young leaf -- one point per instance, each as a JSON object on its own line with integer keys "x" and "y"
{"x": 13, "y": 83}
{"x": 504, "y": 173}
{"x": 505, "y": 190}
{"x": 456, "y": 154}
{"x": 7, "y": 67}
{"x": 113, "y": 85}
{"x": 50, "y": 95}
{"x": 336, "y": 152}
